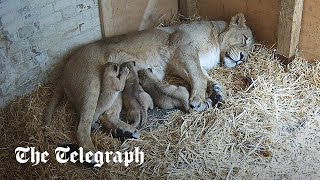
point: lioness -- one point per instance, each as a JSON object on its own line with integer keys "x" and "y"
{"x": 185, "y": 50}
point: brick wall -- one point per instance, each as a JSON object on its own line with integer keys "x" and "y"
{"x": 36, "y": 35}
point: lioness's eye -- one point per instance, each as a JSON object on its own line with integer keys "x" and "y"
{"x": 245, "y": 38}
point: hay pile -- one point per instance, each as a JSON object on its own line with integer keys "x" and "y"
{"x": 268, "y": 129}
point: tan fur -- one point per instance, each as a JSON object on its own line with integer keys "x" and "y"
{"x": 185, "y": 50}
{"x": 111, "y": 121}
{"x": 136, "y": 100}
{"x": 111, "y": 86}
{"x": 164, "y": 95}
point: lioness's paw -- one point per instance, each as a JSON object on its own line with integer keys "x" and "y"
{"x": 122, "y": 134}
{"x": 195, "y": 102}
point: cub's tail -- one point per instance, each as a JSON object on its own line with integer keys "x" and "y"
{"x": 145, "y": 105}
{"x": 57, "y": 95}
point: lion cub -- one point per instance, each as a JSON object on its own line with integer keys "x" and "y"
{"x": 135, "y": 100}
{"x": 164, "y": 95}
{"x": 113, "y": 82}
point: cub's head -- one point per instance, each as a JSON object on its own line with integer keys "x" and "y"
{"x": 235, "y": 42}
{"x": 145, "y": 74}
{"x": 129, "y": 64}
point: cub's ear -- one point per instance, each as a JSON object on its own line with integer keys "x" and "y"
{"x": 134, "y": 63}
{"x": 123, "y": 65}
{"x": 238, "y": 20}
{"x": 150, "y": 70}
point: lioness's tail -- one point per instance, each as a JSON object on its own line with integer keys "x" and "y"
{"x": 57, "y": 95}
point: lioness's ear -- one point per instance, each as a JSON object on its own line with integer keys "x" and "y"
{"x": 134, "y": 63}
{"x": 238, "y": 20}
{"x": 150, "y": 70}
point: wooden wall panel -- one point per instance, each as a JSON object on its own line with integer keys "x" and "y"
{"x": 123, "y": 16}
{"x": 261, "y": 15}
{"x": 310, "y": 30}
{"x": 187, "y": 8}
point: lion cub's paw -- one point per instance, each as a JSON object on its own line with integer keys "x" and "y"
{"x": 218, "y": 101}
{"x": 217, "y": 96}
{"x": 125, "y": 71}
{"x": 122, "y": 135}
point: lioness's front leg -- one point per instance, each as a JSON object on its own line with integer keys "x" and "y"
{"x": 86, "y": 109}
{"x": 186, "y": 65}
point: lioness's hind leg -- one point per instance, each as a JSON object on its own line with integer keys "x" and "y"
{"x": 111, "y": 122}
{"x": 119, "y": 129}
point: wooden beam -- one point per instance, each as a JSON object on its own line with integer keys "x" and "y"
{"x": 187, "y": 8}
{"x": 102, "y": 10}
{"x": 289, "y": 28}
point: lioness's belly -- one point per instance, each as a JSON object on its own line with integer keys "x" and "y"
{"x": 149, "y": 49}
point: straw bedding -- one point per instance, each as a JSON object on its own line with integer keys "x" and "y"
{"x": 268, "y": 129}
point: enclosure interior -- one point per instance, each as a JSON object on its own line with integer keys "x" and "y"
{"x": 268, "y": 127}
{"x": 263, "y": 16}
{"x": 37, "y": 36}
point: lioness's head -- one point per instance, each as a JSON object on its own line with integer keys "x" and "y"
{"x": 235, "y": 42}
